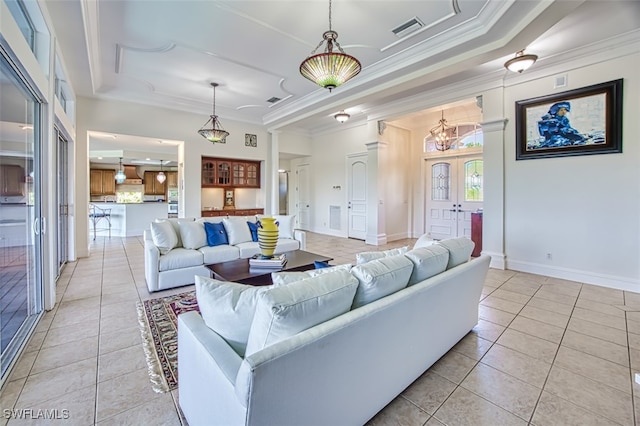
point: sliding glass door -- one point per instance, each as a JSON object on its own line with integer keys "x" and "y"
{"x": 21, "y": 287}
{"x": 62, "y": 199}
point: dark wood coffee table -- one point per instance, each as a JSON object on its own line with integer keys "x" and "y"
{"x": 238, "y": 271}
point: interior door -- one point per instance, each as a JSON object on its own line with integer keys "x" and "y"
{"x": 357, "y": 196}
{"x": 453, "y": 190}
{"x": 303, "y": 202}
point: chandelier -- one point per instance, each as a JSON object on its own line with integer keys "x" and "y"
{"x": 161, "y": 177}
{"x": 216, "y": 133}
{"x": 520, "y": 62}
{"x": 330, "y": 69}
{"x": 120, "y": 176}
{"x": 443, "y": 134}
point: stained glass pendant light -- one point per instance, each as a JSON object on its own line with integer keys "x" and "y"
{"x": 120, "y": 176}
{"x": 161, "y": 177}
{"x": 330, "y": 69}
{"x": 443, "y": 134}
{"x": 215, "y": 133}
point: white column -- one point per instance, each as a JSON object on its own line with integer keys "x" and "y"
{"x": 493, "y": 205}
{"x": 376, "y": 229}
{"x": 271, "y": 174}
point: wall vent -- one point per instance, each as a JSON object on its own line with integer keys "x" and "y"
{"x": 273, "y": 100}
{"x": 334, "y": 217}
{"x": 410, "y": 26}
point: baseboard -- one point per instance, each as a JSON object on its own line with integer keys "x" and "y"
{"x": 498, "y": 260}
{"x": 397, "y": 236}
{"x": 376, "y": 240}
{"x": 610, "y": 281}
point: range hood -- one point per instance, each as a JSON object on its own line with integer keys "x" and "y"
{"x": 131, "y": 175}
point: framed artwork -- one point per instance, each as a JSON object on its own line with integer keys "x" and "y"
{"x": 250, "y": 140}
{"x": 229, "y": 199}
{"x": 576, "y": 122}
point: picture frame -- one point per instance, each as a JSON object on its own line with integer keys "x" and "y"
{"x": 250, "y": 140}
{"x": 576, "y": 122}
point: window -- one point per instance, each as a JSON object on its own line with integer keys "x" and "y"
{"x": 469, "y": 136}
{"x": 21, "y": 16}
{"x": 129, "y": 197}
{"x": 473, "y": 180}
{"x": 440, "y": 182}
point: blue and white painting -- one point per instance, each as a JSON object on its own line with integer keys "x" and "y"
{"x": 567, "y": 123}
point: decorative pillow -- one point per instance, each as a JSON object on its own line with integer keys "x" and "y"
{"x": 427, "y": 262}
{"x": 368, "y": 256}
{"x": 175, "y": 222}
{"x": 216, "y": 235}
{"x": 228, "y": 309}
{"x": 193, "y": 235}
{"x": 285, "y": 311}
{"x": 320, "y": 265}
{"x": 285, "y": 225}
{"x": 237, "y": 230}
{"x": 424, "y": 241}
{"x": 460, "y": 250}
{"x": 163, "y": 236}
{"x": 253, "y": 228}
{"x": 284, "y": 278}
{"x": 380, "y": 278}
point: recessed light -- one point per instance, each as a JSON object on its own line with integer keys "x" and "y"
{"x": 26, "y": 127}
{"x": 147, "y": 159}
{"x": 99, "y": 158}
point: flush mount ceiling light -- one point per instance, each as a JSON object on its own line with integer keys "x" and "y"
{"x": 216, "y": 133}
{"x": 342, "y": 116}
{"x": 520, "y": 62}
{"x": 443, "y": 134}
{"x": 330, "y": 69}
{"x": 120, "y": 176}
{"x": 161, "y": 177}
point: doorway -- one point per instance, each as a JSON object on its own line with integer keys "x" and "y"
{"x": 357, "y": 196}
{"x": 453, "y": 190}
{"x": 303, "y": 196}
{"x": 62, "y": 200}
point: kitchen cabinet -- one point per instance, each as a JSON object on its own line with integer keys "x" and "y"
{"x": 12, "y": 180}
{"x": 217, "y": 172}
{"x": 237, "y": 212}
{"x": 172, "y": 179}
{"x": 151, "y": 184}
{"x": 102, "y": 182}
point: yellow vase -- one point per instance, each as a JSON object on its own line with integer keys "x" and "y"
{"x": 267, "y": 236}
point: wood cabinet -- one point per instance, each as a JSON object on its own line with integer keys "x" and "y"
{"x": 476, "y": 233}
{"x": 218, "y": 172}
{"x": 172, "y": 179}
{"x": 237, "y": 212}
{"x": 102, "y": 182}
{"x": 12, "y": 180}
{"x": 151, "y": 184}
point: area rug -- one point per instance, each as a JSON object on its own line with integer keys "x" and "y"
{"x": 158, "y": 319}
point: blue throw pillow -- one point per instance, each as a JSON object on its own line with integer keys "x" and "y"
{"x": 216, "y": 235}
{"x": 320, "y": 265}
{"x": 254, "y": 230}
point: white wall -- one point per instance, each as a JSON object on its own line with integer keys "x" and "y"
{"x": 584, "y": 211}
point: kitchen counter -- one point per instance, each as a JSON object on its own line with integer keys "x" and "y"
{"x": 130, "y": 219}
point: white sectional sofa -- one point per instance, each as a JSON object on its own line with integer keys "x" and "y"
{"x": 405, "y": 315}
{"x": 176, "y": 250}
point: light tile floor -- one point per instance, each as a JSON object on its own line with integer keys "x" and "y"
{"x": 545, "y": 352}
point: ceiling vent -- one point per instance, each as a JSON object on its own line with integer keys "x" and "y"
{"x": 273, "y": 100}
{"x": 408, "y": 27}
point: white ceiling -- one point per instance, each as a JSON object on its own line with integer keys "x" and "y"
{"x": 167, "y": 52}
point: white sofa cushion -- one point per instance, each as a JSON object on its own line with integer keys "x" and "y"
{"x": 284, "y": 277}
{"x": 427, "y": 262}
{"x": 460, "y": 250}
{"x": 180, "y": 258}
{"x": 175, "y": 222}
{"x": 164, "y": 236}
{"x": 237, "y": 230}
{"x": 287, "y": 310}
{"x": 286, "y": 244}
{"x": 286, "y": 224}
{"x": 380, "y": 278}
{"x": 193, "y": 235}
{"x": 368, "y": 256}
{"x": 228, "y": 309}
{"x": 217, "y": 254}
{"x": 424, "y": 241}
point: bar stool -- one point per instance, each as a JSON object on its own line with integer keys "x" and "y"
{"x": 97, "y": 214}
